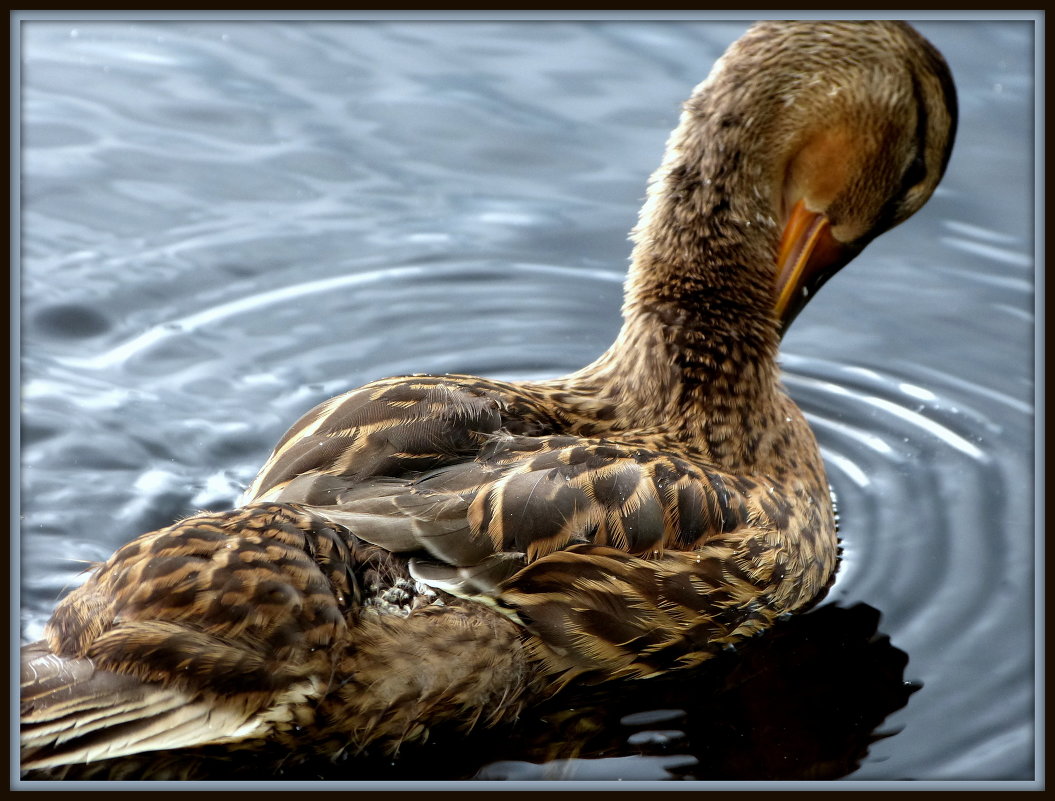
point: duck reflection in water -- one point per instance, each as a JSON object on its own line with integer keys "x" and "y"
{"x": 448, "y": 552}
{"x": 803, "y": 702}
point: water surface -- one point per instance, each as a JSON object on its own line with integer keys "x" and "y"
{"x": 225, "y": 223}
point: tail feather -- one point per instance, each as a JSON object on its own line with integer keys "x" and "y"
{"x": 74, "y": 713}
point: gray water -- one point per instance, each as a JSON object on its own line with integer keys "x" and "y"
{"x": 225, "y": 223}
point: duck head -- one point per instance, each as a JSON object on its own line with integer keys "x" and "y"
{"x": 806, "y": 141}
{"x": 871, "y": 158}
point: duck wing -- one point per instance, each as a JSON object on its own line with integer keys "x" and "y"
{"x": 395, "y": 427}
{"x": 617, "y": 556}
{"x": 439, "y": 466}
{"x": 466, "y": 468}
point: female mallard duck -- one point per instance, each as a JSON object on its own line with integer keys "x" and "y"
{"x": 428, "y": 549}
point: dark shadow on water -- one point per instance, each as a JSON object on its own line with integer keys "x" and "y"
{"x": 804, "y": 701}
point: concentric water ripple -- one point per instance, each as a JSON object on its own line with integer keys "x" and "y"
{"x": 935, "y": 481}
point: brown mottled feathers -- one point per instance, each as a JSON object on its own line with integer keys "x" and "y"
{"x": 239, "y": 625}
{"x": 451, "y": 548}
{"x": 524, "y": 521}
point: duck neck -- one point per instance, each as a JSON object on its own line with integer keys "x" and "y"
{"x": 697, "y": 350}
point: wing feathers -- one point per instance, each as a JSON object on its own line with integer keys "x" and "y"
{"x": 536, "y": 496}
{"x": 428, "y": 464}
{"x": 72, "y": 712}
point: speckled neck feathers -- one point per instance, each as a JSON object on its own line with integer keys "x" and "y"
{"x": 698, "y": 345}
{"x": 852, "y": 119}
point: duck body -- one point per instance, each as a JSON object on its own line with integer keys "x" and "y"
{"x": 542, "y": 489}
{"x": 452, "y": 548}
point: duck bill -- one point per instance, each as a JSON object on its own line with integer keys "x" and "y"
{"x": 809, "y": 255}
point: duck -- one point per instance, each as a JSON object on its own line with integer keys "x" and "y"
{"x": 434, "y": 551}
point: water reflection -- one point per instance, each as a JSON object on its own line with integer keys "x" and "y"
{"x": 803, "y": 701}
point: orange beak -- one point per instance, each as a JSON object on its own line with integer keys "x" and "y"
{"x": 809, "y": 255}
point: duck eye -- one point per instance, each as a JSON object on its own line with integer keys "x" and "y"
{"x": 916, "y": 172}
